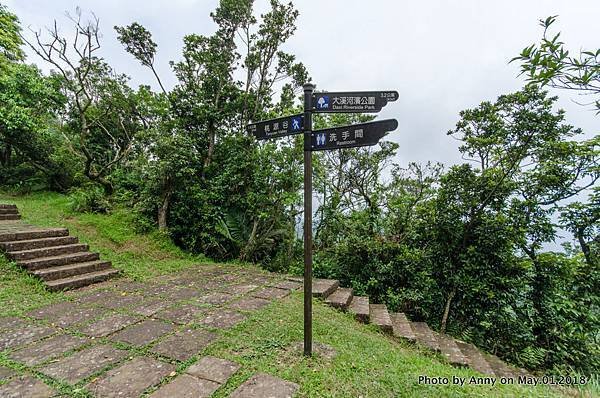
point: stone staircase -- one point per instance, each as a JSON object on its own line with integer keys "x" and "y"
{"x": 9, "y": 212}
{"x": 50, "y": 253}
{"x": 457, "y": 352}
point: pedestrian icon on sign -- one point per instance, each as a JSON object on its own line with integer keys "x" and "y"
{"x": 323, "y": 102}
{"x": 321, "y": 139}
{"x": 296, "y": 123}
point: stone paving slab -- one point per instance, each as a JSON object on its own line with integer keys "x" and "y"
{"x": 241, "y": 288}
{"x": 26, "y": 387}
{"x": 263, "y": 385}
{"x": 215, "y": 298}
{"x": 182, "y": 314}
{"x": 184, "y": 344}
{"x": 6, "y": 373}
{"x": 213, "y": 369}
{"x": 143, "y": 333}
{"x": 12, "y": 322}
{"x": 97, "y": 297}
{"x": 84, "y": 363}
{"x": 216, "y": 284}
{"x": 150, "y": 306}
{"x": 161, "y": 289}
{"x": 227, "y": 277}
{"x": 106, "y": 285}
{"x": 260, "y": 279}
{"x": 223, "y": 319}
{"x": 48, "y": 349}
{"x": 186, "y": 386}
{"x": 270, "y": 293}
{"x": 53, "y": 310}
{"x": 194, "y": 280}
{"x": 129, "y": 286}
{"x": 288, "y": 285}
{"x": 131, "y": 378}
{"x": 108, "y": 325}
{"x": 78, "y": 316}
{"x": 24, "y": 335}
{"x": 249, "y": 304}
{"x": 122, "y": 301}
{"x": 184, "y": 293}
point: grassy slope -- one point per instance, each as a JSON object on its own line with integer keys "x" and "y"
{"x": 367, "y": 363}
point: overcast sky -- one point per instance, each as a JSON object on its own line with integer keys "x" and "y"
{"x": 442, "y": 56}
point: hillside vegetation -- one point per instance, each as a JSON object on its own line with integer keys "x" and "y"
{"x": 463, "y": 247}
{"x": 366, "y": 363}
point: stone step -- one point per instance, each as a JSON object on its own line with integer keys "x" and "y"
{"x": 522, "y": 372}
{"x": 401, "y": 327}
{"x": 4, "y": 217}
{"x": 66, "y": 271}
{"x": 474, "y": 357}
{"x": 9, "y": 211}
{"x": 360, "y": 308}
{"x": 39, "y": 243}
{"x": 340, "y": 298}
{"x": 57, "y": 261}
{"x": 425, "y": 336}
{"x": 324, "y": 287}
{"x": 378, "y": 315}
{"x": 450, "y": 350}
{"x": 7, "y": 206}
{"x": 74, "y": 282}
{"x": 33, "y": 234}
{"x": 48, "y": 251}
{"x": 500, "y": 368}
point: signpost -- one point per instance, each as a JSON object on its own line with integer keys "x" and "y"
{"x": 356, "y": 135}
{"x": 279, "y": 127}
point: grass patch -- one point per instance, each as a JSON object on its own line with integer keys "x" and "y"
{"x": 138, "y": 256}
{"x": 366, "y": 364}
{"x": 20, "y": 292}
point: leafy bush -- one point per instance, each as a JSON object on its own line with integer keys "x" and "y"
{"x": 89, "y": 199}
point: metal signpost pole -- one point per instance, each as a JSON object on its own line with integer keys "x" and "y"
{"x": 308, "y": 91}
{"x": 356, "y": 135}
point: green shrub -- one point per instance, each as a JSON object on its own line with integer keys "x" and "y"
{"x": 89, "y": 199}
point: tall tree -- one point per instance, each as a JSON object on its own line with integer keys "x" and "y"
{"x": 209, "y": 103}
{"x": 10, "y": 36}
{"x": 550, "y": 63}
{"x": 103, "y": 125}
{"x": 528, "y": 150}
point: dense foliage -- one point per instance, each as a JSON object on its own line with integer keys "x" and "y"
{"x": 464, "y": 248}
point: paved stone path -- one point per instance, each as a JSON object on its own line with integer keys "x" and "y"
{"x": 264, "y": 385}
{"x": 125, "y": 338}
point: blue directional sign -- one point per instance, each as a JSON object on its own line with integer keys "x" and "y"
{"x": 279, "y": 127}
{"x": 363, "y": 134}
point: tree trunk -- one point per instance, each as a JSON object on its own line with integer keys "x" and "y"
{"x": 447, "y": 310}
{"x": 249, "y": 245}
{"x": 165, "y": 200}
{"x": 585, "y": 248}
{"x": 211, "y": 148}
{"x": 6, "y": 155}
{"x": 107, "y": 186}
